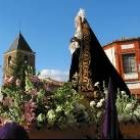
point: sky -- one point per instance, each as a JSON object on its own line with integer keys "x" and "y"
{"x": 48, "y": 25}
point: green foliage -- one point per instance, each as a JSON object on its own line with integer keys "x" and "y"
{"x": 12, "y": 104}
{"x": 28, "y": 84}
{"x": 62, "y": 108}
{"x": 128, "y": 108}
{"x": 66, "y": 109}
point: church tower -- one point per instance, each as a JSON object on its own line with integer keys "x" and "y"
{"x": 18, "y": 54}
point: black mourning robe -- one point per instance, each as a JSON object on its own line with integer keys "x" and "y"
{"x": 100, "y": 66}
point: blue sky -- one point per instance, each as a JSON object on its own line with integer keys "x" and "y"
{"x": 48, "y": 25}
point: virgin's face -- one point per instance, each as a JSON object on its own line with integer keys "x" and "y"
{"x": 73, "y": 46}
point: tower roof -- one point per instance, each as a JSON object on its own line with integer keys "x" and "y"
{"x": 20, "y": 44}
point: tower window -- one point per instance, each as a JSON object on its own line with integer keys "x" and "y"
{"x": 25, "y": 59}
{"x": 129, "y": 63}
{"x": 9, "y": 60}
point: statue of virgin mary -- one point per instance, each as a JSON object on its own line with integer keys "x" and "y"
{"x": 89, "y": 61}
{"x": 81, "y": 57}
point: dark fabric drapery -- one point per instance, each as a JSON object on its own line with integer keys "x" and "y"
{"x": 93, "y": 65}
{"x": 110, "y": 127}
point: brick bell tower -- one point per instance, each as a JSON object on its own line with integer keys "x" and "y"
{"x": 18, "y": 53}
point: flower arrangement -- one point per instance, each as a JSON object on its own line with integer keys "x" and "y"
{"x": 37, "y": 105}
{"x": 98, "y": 104}
{"x": 128, "y": 108}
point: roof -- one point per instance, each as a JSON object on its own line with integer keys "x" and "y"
{"x": 122, "y": 40}
{"x": 20, "y": 44}
{"x": 54, "y": 82}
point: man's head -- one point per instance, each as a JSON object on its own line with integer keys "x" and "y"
{"x": 13, "y": 131}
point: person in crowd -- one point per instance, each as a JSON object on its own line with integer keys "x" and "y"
{"x": 12, "y": 130}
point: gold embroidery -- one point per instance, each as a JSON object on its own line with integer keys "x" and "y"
{"x": 85, "y": 60}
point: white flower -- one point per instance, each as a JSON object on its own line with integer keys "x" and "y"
{"x": 126, "y": 96}
{"x": 51, "y": 117}
{"x": 51, "y": 114}
{"x": 129, "y": 107}
{"x": 59, "y": 108}
{"x": 96, "y": 84}
{"x": 102, "y": 100}
{"x": 106, "y": 92}
{"x": 41, "y": 117}
{"x": 137, "y": 113}
{"x": 99, "y": 104}
{"x": 92, "y": 103}
{"x": 123, "y": 92}
{"x": 99, "y": 114}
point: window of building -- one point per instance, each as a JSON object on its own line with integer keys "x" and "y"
{"x": 9, "y": 60}
{"x": 26, "y": 59}
{"x": 129, "y": 63}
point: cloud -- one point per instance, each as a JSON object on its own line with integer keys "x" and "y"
{"x": 54, "y": 74}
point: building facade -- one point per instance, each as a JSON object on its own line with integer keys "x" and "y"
{"x": 125, "y": 56}
{"x": 18, "y": 53}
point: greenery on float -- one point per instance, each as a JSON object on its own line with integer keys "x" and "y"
{"x": 61, "y": 108}
{"x": 128, "y": 107}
